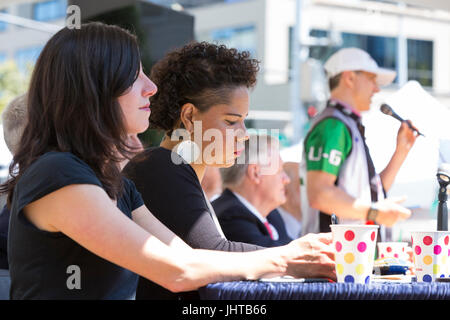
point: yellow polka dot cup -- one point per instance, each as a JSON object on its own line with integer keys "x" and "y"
{"x": 354, "y": 246}
{"x": 431, "y": 254}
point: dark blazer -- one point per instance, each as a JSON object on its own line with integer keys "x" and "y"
{"x": 240, "y": 224}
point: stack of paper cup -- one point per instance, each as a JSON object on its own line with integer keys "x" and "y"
{"x": 431, "y": 254}
{"x": 355, "y": 252}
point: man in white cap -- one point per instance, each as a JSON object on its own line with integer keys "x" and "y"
{"x": 340, "y": 176}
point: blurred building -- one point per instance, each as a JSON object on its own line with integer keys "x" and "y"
{"x": 161, "y": 28}
{"x": 24, "y": 44}
{"x": 401, "y": 37}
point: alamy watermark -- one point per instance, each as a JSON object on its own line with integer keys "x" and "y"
{"x": 216, "y": 147}
{"x": 73, "y": 20}
{"x": 74, "y": 279}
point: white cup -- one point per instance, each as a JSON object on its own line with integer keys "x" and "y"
{"x": 431, "y": 254}
{"x": 354, "y": 251}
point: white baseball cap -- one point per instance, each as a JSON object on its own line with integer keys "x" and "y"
{"x": 354, "y": 59}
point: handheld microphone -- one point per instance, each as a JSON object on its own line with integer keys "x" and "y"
{"x": 386, "y": 109}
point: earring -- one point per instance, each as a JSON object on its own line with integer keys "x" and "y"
{"x": 188, "y": 150}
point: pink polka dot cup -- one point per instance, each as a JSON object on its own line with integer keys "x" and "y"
{"x": 354, "y": 251}
{"x": 431, "y": 254}
{"x": 393, "y": 250}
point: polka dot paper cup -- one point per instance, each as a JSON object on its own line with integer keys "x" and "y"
{"x": 354, "y": 251}
{"x": 393, "y": 250}
{"x": 431, "y": 254}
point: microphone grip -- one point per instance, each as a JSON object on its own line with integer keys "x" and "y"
{"x": 396, "y": 116}
{"x": 409, "y": 124}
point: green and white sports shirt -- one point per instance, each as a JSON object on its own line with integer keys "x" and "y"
{"x": 335, "y": 145}
{"x": 327, "y": 146}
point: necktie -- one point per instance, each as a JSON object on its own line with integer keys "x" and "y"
{"x": 269, "y": 229}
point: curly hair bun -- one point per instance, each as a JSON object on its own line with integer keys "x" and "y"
{"x": 200, "y": 73}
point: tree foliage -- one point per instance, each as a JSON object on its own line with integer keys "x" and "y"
{"x": 13, "y": 82}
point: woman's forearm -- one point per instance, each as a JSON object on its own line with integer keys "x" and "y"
{"x": 86, "y": 214}
{"x": 205, "y": 266}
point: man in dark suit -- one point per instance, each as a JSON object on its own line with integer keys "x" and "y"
{"x": 254, "y": 188}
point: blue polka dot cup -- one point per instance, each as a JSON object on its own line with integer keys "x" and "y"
{"x": 354, "y": 246}
{"x": 431, "y": 254}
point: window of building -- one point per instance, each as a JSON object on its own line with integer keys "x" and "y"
{"x": 242, "y": 38}
{"x": 26, "y": 58}
{"x": 3, "y": 25}
{"x": 420, "y": 61}
{"x": 384, "y": 51}
{"x": 49, "y": 10}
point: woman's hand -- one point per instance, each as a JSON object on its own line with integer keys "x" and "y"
{"x": 312, "y": 256}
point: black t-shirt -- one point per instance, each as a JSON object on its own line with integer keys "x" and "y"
{"x": 172, "y": 192}
{"x": 43, "y": 265}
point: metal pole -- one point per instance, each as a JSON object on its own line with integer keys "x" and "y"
{"x": 402, "y": 50}
{"x": 298, "y": 113}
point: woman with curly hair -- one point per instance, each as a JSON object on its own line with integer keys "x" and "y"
{"x": 78, "y": 229}
{"x": 203, "y": 91}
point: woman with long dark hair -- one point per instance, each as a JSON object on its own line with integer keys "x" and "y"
{"x": 79, "y": 229}
{"x": 203, "y": 97}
